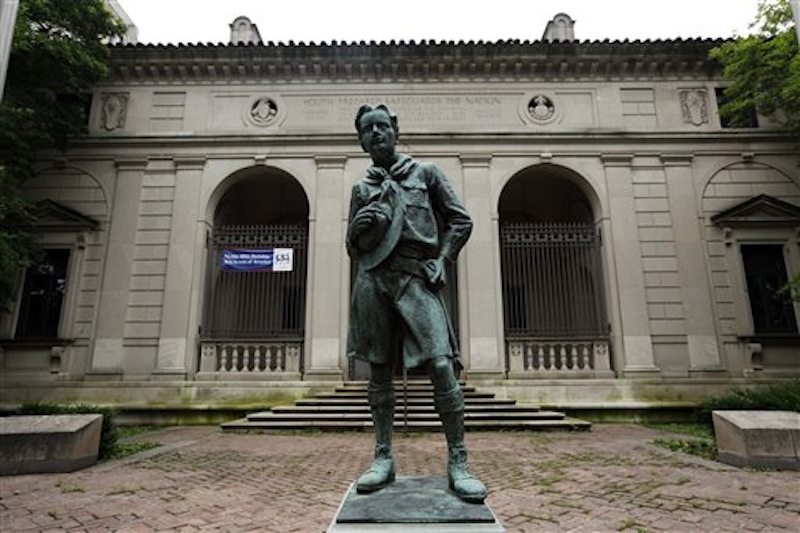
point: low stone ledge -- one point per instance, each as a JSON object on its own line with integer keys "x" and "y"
{"x": 758, "y": 439}
{"x": 48, "y": 443}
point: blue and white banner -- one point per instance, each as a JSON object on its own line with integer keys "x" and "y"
{"x": 250, "y": 260}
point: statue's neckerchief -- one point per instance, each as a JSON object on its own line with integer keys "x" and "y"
{"x": 392, "y": 197}
{"x": 398, "y": 172}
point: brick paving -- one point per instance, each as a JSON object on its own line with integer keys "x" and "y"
{"x": 200, "y": 479}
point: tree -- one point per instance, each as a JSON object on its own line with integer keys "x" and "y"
{"x": 764, "y": 68}
{"x": 58, "y": 53}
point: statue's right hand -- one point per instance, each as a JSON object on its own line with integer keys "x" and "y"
{"x": 368, "y": 226}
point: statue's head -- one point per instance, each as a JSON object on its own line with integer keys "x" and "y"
{"x": 377, "y": 132}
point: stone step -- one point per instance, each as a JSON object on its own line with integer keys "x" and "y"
{"x": 346, "y": 408}
{"x": 564, "y": 424}
{"x": 421, "y": 393}
{"x": 419, "y": 416}
{"x": 412, "y": 408}
{"x": 422, "y": 385}
{"x": 336, "y": 400}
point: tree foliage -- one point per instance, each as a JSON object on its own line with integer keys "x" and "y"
{"x": 764, "y": 68}
{"x": 58, "y": 52}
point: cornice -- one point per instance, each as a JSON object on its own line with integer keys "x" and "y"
{"x": 500, "y": 61}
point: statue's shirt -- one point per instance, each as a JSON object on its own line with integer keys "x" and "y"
{"x": 426, "y": 195}
{"x": 392, "y": 305}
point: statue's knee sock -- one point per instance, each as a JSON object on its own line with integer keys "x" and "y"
{"x": 382, "y": 402}
{"x": 450, "y": 406}
{"x": 381, "y": 472}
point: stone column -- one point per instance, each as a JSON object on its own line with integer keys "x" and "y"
{"x": 8, "y": 16}
{"x": 119, "y": 257}
{"x": 177, "y": 344}
{"x": 692, "y": 265}
{"x": 637, "y": 344}
{"x": 326, "y": 260}
{"x": 481, "y": 301}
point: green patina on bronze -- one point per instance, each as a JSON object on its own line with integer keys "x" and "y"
{"x": 405, "y": 225}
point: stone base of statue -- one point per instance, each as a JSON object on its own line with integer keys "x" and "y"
{"x": 413, "y": 504}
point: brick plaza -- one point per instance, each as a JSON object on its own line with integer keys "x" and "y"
{"x": 611, "y": 478}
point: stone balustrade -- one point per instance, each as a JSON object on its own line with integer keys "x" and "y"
{"x": 250, "y": 359}
{"x": 565, "y": 358}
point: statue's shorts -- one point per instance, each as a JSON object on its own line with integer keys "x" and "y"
{"x": 393, "y": 312}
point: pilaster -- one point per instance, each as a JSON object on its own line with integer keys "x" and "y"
{"x": 701, "y": 334}
{"x": 479, "y": 268}
{"x": 637, "y": 343}
{"x": 177, "y": 342}
{"x": 120, "y": 252}
{"x": 325, "y": 289}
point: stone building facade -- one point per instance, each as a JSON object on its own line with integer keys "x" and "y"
{"x": 625, "y": 249}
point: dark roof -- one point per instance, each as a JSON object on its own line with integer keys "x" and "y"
{"x": 423, "y": 60}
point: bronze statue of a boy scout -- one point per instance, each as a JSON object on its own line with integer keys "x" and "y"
{"x": 402, "y": 251}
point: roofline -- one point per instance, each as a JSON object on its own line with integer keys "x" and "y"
{"x": 416, "y": 61}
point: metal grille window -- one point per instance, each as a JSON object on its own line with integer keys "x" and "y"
{"x": 43, "y": 296}
{"x": 552, "y": 281}
{"x": 256, "y": 304}
{"x": 765, "y": 274}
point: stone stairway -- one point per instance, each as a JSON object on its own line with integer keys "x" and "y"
{"x": 346, "y": 409}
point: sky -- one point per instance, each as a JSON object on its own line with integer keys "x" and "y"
{"x": 318, "y": 21}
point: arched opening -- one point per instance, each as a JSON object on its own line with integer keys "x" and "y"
{"x": 254, "y": 315}
{"x": 553, "y": 299}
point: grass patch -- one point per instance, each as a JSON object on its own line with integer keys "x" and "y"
{"x": 67, "y": 487}
{"x": 124, "y": 449}
{"x": 701, "y": 440}
{"x": 696, "y": 430}
{"x": 705, "y": 448}
{"x": 126, "y": 432}
{"x": 630, "y": 523}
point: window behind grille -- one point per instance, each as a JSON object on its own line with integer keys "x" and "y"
{"x": 42, "y": 296}
{"x": 765, "y": 273}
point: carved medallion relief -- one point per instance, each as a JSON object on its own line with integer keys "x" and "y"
{"x": 694, "y": 106}
{"x": 263, "y": 111}
{"x": 113, "y": 108}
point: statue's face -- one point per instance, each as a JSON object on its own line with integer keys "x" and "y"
{"x": 377, "y": 135}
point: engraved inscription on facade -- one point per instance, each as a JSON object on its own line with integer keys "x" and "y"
{"x": 429, "y": 109}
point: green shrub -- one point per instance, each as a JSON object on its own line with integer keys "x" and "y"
{"x": 108, "y": 435}
{"x": 784, "y": 396}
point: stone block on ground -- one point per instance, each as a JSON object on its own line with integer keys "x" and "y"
{"x": 413, "y": 504}
{"x": 759, "y": 439}
{"x": 48, "y": 443}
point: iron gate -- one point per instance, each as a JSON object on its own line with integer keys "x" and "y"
{"x": 552, "y": 281}
{"x": 256, "y": 305}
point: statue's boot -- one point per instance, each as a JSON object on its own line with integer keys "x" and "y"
{"x": 382, "y": 472}
{"x": 450, "y": 407}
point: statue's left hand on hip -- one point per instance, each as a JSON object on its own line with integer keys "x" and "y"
{"x": 435, "y": 273}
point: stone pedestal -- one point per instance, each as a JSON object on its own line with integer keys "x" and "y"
{"x": 48, "y": 443}
{"x": 758, "y": 439}
{"x": 413, "y": 504}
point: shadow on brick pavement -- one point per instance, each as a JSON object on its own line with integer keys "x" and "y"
{"x": 201, "y": 479}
